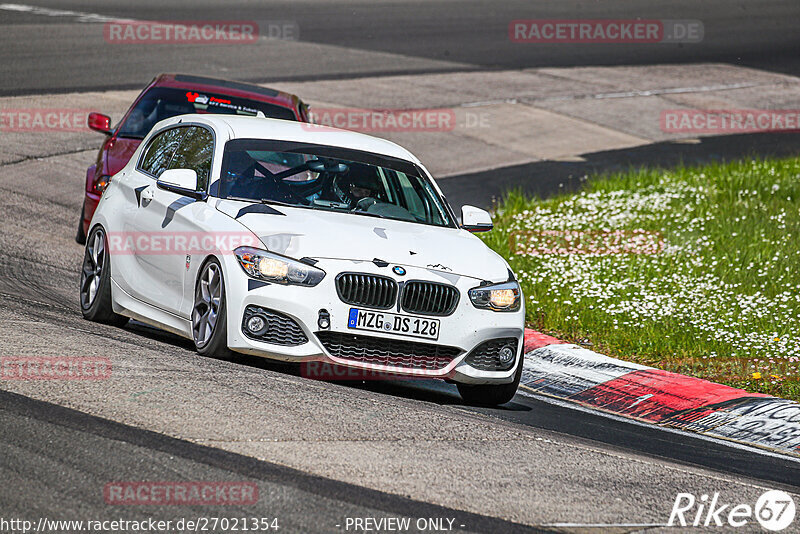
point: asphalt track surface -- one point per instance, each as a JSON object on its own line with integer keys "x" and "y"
{"x": 398, "y": 434}
{"x": 51, "y": 52}
{"x": 53, "y": 459}
{"x": 61, "y": 456}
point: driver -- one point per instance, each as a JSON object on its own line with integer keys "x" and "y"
{"x": 363, "y": 190}
{"x": 239, "y": 180}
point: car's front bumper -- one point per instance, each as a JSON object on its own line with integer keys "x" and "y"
{"x": 466, "y": 328}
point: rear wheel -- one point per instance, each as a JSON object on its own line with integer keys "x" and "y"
{"x": 95, "y": 290}
{"x": 491, "y": 394}
{"x": 209, "y": 317}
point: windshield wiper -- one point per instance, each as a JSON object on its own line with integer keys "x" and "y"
{"x": 288, "y": 205}
{"x": 369, "y": 214}
{"x": 279, "y": 203}
{"x": 263, "y": 201}
{"x": 240, "y": 199}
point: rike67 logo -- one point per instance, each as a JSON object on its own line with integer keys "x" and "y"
{"x": 774, "y": 511}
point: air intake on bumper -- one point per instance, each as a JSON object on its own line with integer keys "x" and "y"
{"x": 390, "y": 352}
{"x": 493, "y": 355}
{"x": 277, "y": 328}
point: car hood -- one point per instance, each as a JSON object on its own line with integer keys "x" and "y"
{"x": 300, "y": 233}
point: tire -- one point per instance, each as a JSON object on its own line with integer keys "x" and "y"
{"x": 80, "y": 236}
{"x": 491, "y": 394}
{"x": 95, "y": 288}
{"x": 209, "y": 315}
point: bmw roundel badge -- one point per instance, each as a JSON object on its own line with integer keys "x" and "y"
{"x": 399, "y": 271}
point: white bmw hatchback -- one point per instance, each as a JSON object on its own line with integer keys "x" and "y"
{"x": 303, "y": 243}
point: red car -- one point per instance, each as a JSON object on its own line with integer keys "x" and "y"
{"x": 166, "y": 96}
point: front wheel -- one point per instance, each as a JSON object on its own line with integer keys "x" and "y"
{"x": 491, "y": 394}
{"x": 209, "y": 317}
{"x": 95, "y": 290}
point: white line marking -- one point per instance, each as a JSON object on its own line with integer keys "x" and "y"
{"x": 91, "y": 18}
{"x": 657, "y": 92}
{"x": 641, "y": 399}
{"x": 605, "y": 525}
{"x": 47, "y": 12}
{"x": 621, "y": 94}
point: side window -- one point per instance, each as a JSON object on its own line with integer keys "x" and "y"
{"x": 418, "y": 198}
{"x": 158, "y": 155}
{"x": 195, "y": 152}
{"x": 413, "y": 202}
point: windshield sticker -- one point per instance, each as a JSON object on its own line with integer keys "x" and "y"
{"x": 205, "y": 100}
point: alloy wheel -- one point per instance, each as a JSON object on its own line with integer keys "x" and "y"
{"x": 207, "y": 300}
{"x": 94, "y": 260}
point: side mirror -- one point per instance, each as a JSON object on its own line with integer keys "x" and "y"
{"x": 99, "y": 123}
{"x": 180, "y": 181}
{"x": 475, "y": 219}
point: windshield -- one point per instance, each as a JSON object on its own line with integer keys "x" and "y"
{"x": 162, "y": 103}
{"x": 329, "y": 179}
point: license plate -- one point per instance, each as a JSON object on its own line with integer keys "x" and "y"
{"x": 392, "y": 323}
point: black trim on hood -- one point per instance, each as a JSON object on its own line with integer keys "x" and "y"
{"x": 258, "y": 208}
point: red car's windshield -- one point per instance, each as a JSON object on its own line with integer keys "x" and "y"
{"x": 162, "y": 103}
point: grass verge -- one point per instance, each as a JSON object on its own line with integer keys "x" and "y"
{"x": 694, "y": 270}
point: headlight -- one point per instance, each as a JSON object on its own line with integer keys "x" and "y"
{"x": 505, "y": 296}
{"x": 279, "y": 269}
